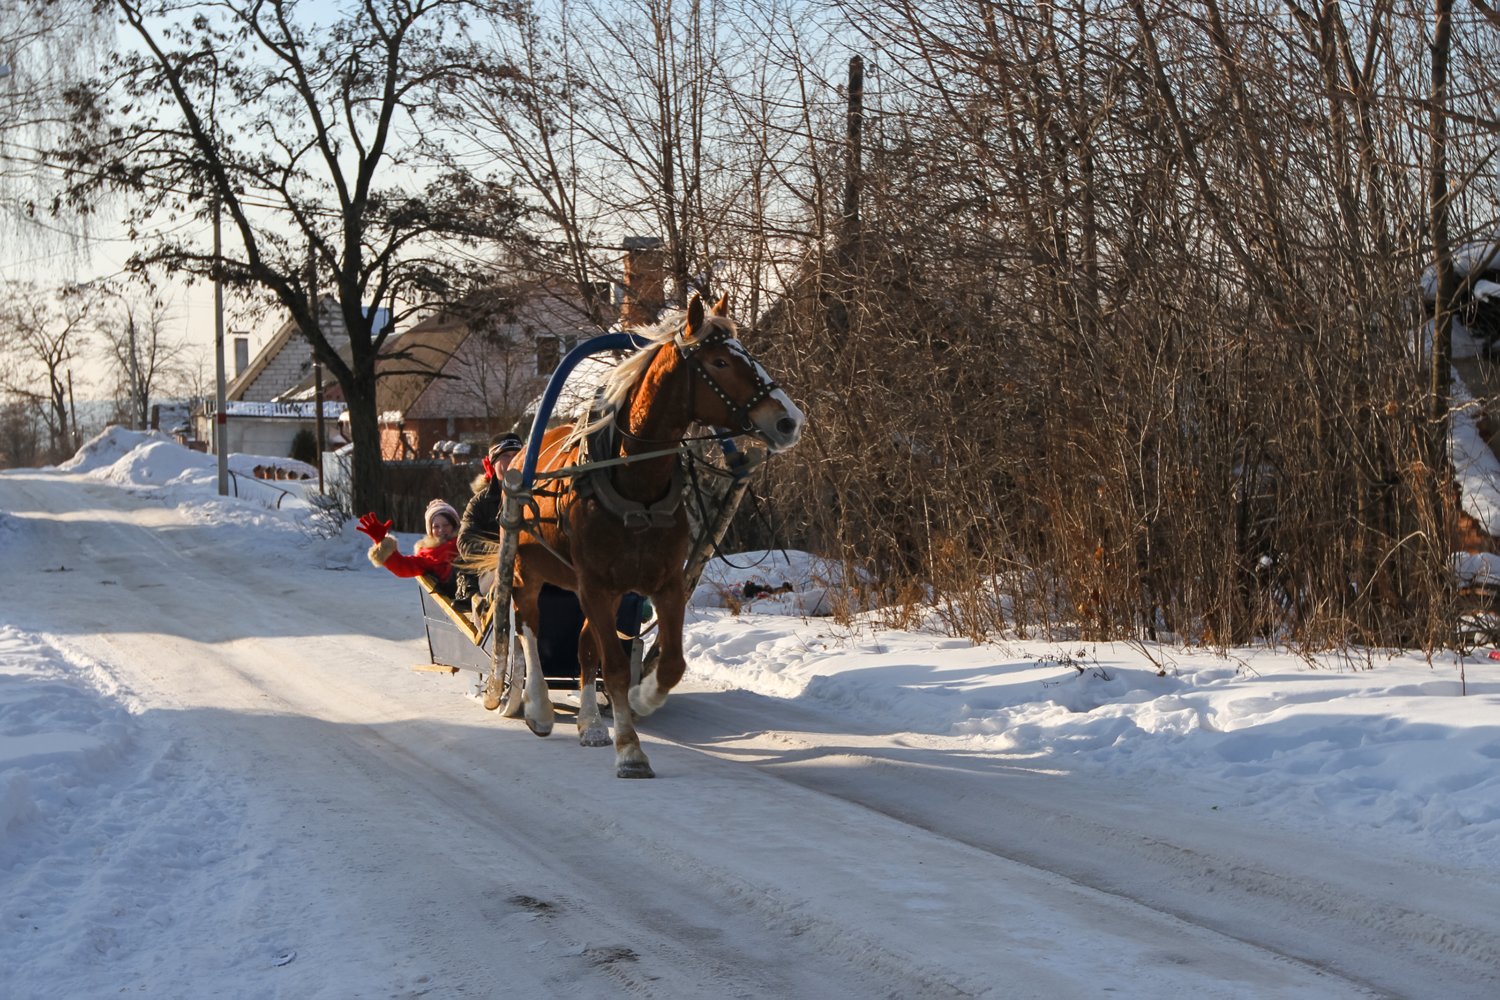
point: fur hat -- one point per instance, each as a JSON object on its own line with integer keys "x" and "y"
{"x": 443, "y": 507}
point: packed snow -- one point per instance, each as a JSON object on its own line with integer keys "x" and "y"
{"x": 130, "y": 855}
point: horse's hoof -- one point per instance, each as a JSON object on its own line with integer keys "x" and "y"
{"x": 540, "y": 727}
{"x": 491, "y": 701}
{"x": 634, "y": 769}
{"x": 596, "y": 736}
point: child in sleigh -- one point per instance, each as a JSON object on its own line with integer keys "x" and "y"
{"x": 433, "y": 555}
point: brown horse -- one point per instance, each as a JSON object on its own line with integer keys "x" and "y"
{"x": 629, "y": 532}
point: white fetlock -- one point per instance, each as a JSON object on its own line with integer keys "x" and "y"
{"x": 591, "y": 729}
{"x": 539, "y": 713}
{"x": 515, "y": 690}
{"x": 646, "y": 697}
{"x": 631, "y": 762}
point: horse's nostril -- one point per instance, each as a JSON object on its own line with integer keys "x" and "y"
{"x": 786, "y": 426}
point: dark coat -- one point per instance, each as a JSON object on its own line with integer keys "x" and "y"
{"x": 479, "y": 530}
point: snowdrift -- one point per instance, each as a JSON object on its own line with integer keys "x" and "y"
{"x": 1391, "y": 747}
{"x": 268, "y": 519}
{"x": 109, "y": 446}
{"x": 151, "y": 458}
{"x": 735, "y": 581}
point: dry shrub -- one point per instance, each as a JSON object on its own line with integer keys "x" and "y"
{"x": 1121, "y": 342}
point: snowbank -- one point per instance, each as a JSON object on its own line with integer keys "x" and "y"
{"x": 108, "y": 447}
{"x": 57, "y": 735}
{"x": 1392, "y": 746}
{"x": 734, "y": 581}
{"x": 270, "y": 519}
{"x": 150, "y": 458}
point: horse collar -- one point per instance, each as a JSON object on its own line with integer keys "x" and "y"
{"x": 602, "y": 445}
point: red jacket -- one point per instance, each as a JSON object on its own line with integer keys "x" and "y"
{"x": 437, "y": 559}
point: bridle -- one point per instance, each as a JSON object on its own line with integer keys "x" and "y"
{"x": 740, "y": 412}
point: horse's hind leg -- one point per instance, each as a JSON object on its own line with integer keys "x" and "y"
{"x": 630, "y": 760}
{"x": 591, "y": 729}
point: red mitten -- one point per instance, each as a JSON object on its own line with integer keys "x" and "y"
{"x": 374, "y": 527}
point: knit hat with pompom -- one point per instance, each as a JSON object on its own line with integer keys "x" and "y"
{"x": 440, "y": 507}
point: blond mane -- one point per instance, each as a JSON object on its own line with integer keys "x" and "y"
{"x": 617, "y": 387}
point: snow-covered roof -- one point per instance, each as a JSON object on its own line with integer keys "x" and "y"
{"x": 578, "y": 391}
{"x": 290, "y": 411}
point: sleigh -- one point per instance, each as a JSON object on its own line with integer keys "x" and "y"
{"x": 455, "y": 643}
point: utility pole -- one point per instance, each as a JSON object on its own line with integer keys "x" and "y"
{"x": 221, "y": 418}
{"x": 842, "y": 284}
{"x": 852, "y": 154}
{"x": 312, "y": 299}
{"x": 73, "y": 411}
{"x": 137, "y": 405}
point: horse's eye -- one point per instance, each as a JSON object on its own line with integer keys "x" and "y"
{"x": 720, "y": 363}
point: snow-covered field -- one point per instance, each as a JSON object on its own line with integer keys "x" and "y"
{"x": 219, "y": 776}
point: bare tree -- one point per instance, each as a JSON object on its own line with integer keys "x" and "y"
{"x": 525, "y": 114}
{"x": 20, "y": 446}
{"x": 41, "y": 335}
{"x": 494, "y": 373}
{"x": 1134, "y": 322}
{"x": 301, "y": 134}
{"x": 143, "y": 357}
{"x": 50, "y": 47}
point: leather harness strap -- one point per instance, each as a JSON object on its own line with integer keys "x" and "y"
{"x": 740, "y": 411}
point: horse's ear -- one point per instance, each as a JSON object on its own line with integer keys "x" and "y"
{"x": 722, "y": 308}
{"x": 695, "y": 315}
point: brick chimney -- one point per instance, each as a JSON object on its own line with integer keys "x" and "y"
{"x": 645, "y": 281}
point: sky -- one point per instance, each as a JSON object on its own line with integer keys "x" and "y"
{"x": 51, "y": 258}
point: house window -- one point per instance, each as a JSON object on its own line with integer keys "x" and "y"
{"x": 547, "y": 355}
{"x": 550, "y": 350}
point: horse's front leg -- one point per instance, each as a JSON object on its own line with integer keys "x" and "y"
{"x": 538, "y": 706}
{"x": 630, "y": 760}
{"x": 591, "y": 729}
{"x": 651, "y": 693}
{"x": 524, "y": 598}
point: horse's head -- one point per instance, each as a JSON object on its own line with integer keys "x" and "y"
{"x": 731, "y": 389}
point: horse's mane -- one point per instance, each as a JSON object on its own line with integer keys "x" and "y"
{"x": 617, "y": 387}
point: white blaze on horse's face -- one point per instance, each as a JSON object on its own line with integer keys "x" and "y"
{"x": 776, "y": 418}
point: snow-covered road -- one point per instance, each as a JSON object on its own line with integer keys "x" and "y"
{"x": 269, "y": 803}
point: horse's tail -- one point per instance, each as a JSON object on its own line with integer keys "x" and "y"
{"x": 479, "y": 555}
